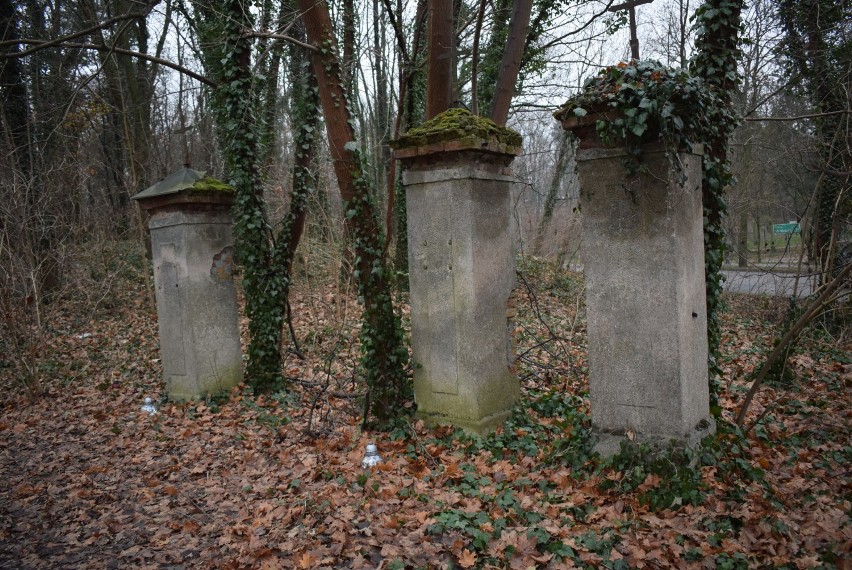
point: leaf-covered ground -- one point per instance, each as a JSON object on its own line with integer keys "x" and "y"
{"x": 244, "y": 481}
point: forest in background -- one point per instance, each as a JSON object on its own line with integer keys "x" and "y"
{"x": 103, "y": 98}
{"x": 100, "y": 99}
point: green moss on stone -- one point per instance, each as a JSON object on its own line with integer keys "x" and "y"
{"x": 456, "y": 124}
{"x": 208, "y": 184}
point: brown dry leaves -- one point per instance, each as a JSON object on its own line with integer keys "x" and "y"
{"x": 90, "y": 482}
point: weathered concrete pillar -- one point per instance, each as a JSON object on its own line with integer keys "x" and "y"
{"x": 192, "y": 253}
{"x": 462, "y": 270}
{"x": 643, "y": 255}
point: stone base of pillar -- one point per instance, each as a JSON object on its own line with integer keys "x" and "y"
{"x": 196, "y": 302}
{"x": 608, "y": 443}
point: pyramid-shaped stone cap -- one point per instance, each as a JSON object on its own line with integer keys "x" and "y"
{"x": 185, "y": 186}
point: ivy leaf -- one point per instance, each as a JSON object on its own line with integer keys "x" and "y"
{"x": 580, "y": 112}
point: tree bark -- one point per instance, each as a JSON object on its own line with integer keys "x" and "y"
{"x": 441, "y": 42}
{"x": 742, "y": 249}
{"x": 410, "y": 99}
{"x": 304, "y": 108}
{"x": 347, "y": 71}
{"x": 565, "y": 147}
{"x": 13, "y": 91}
{"x": 511, "y": 65}
{"x": 821, "y": 60}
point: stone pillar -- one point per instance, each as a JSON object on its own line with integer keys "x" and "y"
{"x": 462, "y": 273}
{"x": 643, "y": 255}
{"x": 192, "y": 252}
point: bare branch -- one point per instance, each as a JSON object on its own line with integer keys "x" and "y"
{"x": 42, "y": 44}
{"x": 59, "y": 41}
{"x": 800, "y": 117}
{"x": 813, "y": 310}
{"x": 282, "y": 37}
{"x": 397, "y": 30}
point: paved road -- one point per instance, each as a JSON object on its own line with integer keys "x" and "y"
{"x": 765, "y": 283}
{"x": 755, "y": 281}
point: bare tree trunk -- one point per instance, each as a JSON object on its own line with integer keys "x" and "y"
{"x": 511, "y": 65}
{"x": 271, "y": 71}
{"x": 410, "y": 99}
{"x": 474, "y": 58}
{"x": 742, "y": 245}
{"x": 347, "y": 71}
{"x": 757, "y": 241}
{"x": 14, "y": 112}
{"x": 565, "y": 145}
{"x": 441, "y": 42}
{"x": 381, "y": 123}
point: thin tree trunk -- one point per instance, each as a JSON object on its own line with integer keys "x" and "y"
{"x": 304, "y": 106}
{"x": 474, "y": 58}
{"x": 742, "y": 249}
{"x": 410, "y": 98}
{"x": 757, "y": 241}
{"x": 348, "y": 68}
{"x": 270, "y": 98}
{"x": 565, "y": 144}
{"x": 13, "y": 92}
{"x": 488, "y": 67}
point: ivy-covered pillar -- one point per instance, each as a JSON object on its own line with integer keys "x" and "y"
{"x": 192, "y": 252}
{"x": 643, "y": 259}
{"x": 457, "y": 178}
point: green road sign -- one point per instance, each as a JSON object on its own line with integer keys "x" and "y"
{"x": 791, "y": 228}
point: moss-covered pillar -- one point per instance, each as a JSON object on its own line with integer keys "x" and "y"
{"x": 192, "y": 251}
{"x": 646, "y": 311}
{"x": 461, "y": 268}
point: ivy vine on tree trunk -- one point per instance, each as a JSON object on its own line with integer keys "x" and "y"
{"x": 304, "y": 109}
{"x": 263, "y": 283}
{"x": 383, "y": 354}
{"x": 718, "y": 25}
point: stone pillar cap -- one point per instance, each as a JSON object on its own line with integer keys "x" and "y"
{"x": 491, "y": 146}
{"x": 457, "y": 130}
{"x": 186, "y": 186}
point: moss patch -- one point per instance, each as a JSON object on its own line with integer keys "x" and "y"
{"x": 456, "y": 124}
{"x": 208, "y": 184}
